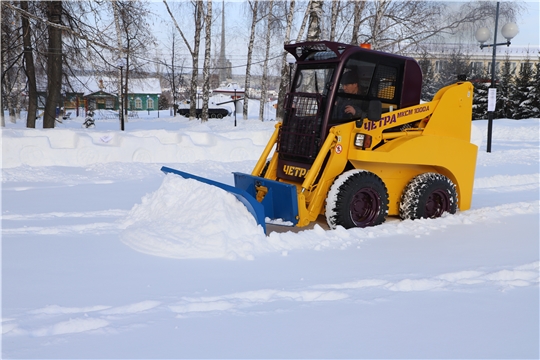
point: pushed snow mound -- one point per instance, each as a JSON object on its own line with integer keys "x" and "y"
{"x": 187, "y": 219}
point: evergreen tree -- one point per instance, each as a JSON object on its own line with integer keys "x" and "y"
{"x": 457, "y": 65}
{"x": 535, "y": 92}
{"x": 504, "y": 107}
{"x": 429, "y": 88}
{"x": 481, "y": 86}
{"x": 521, "y": 98}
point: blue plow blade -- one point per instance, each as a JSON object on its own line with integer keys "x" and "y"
{"x": 281, "y": 200}
{"x": 279, "y": 203}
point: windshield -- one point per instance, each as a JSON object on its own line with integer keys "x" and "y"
{"x": 314, "y": 81}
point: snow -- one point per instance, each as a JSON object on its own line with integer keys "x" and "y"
{"x": 105, "y": 256}
{"x": 163, "y": 225}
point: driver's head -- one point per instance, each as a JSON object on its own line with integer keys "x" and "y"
{"x": 349, "y": 82}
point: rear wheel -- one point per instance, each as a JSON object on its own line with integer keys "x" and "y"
{"x": 428, "y": 195}
{"x": 358, "y": 198}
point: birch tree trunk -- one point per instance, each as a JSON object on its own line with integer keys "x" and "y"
{"x": 254, "y": 13}
{"x": 333, "y": 19}
{"x": 285, "y": 67}
{"x": 54, "y": 64}
{"x": 359, "y": 7}
{"x": 304, "y": 21}
{"x": 264, "y": 81}
{"x": 195, "y": 54}
{"x": 376, "y": 23}
{"x": 315, "y": 16}
{"x": 121, "y": 55}
{"x": 206, "y": 66}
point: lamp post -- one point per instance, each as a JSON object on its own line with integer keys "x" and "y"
{"x": 509, "y": 31}
{"x": 148, "y": 103}
{"x": 121, "y": 66}
{"x": 158, "y": 106}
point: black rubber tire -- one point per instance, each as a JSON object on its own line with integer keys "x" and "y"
{"x": 428, "y": 195}
{"x": 358, "y": 198}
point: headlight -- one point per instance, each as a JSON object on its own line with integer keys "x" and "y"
{"x": 362, "y": 141}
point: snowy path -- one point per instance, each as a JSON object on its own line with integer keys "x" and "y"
{"x": 64, "y": 320}
{"x": 112, "y": 221}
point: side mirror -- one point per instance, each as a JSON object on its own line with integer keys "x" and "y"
{"x": 374, "y": 110}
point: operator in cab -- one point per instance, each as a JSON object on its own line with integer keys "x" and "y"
{"x": 349, "y": 107}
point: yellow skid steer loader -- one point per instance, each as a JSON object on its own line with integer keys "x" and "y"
{"x": 356, "y": 144}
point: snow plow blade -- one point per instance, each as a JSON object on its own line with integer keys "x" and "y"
{"x": 279, "y": 202}
{"x": 253, "y": 206}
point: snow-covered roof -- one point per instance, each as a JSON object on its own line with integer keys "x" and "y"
{"x": 144, "y": 86}
{"x": 518, "y": 52}
{"x": 229, "y": 89}
{"x": 91, "y": 84}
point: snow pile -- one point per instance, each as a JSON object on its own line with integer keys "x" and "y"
{"x": 63, "y": 147}
{"x": 185, "y": 218}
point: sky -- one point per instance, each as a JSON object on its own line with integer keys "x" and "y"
{"x": 529, "y": 25}
{"x": 237, "y": 23}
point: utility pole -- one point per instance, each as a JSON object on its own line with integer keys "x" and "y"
{"x": 222, "y": 59}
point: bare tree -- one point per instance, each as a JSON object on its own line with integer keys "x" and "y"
{"x": 358, "y": 12}
{"x": 206, "y": 65}
{"x": 121, "y": 55}
{"x": 264, "y": 81}
{"x": 29, "y": 69}
{"x": 254, "y": 7}
{"x": 315, "y": 20}
{"x": 85, "y": 38}
{"x": 133, "y": 38}
{"x": 304, "y": 21}
{"x": 285, "y": 66}
{"x": 174, "y": 70}
{"x": 11, "y": 62}
{"x": 334, "y": 17}
{"x": 54, "y": 64}
{"x": 194, "y": 51}
{"x": 400, "y": 26}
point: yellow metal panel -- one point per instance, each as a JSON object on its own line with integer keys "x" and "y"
{"x": 454, "y": 113}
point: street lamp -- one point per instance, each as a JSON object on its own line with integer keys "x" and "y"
{"x": 148, "y": 103}
{"x": 158, "y": 105}
{"x": 509, "y": 31}
{"x": 121, "y": 64}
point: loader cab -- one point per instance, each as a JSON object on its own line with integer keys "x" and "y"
{"x": 318, "y": 96}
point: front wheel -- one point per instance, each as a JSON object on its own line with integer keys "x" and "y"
{"x": 428, "y": 195}
{"x": 358, "y": 198}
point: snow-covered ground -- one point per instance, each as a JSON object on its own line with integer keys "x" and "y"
{"x": 104, "y": 256}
